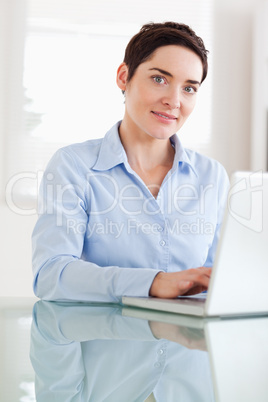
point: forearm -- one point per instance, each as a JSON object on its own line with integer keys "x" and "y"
{"x": 69, "y": 278}
{"x": 63, "y": 323}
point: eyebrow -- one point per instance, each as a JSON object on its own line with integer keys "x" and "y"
{"x": 161, "y": 71}
{"x": 170, "y": 75}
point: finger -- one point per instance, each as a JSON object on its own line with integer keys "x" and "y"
{"x": 206, "y": 270}
{"x": 185, "y": 285}
{"x": 195, "y": 290}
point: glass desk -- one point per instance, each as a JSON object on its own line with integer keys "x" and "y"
{"x": 80, "y": 352}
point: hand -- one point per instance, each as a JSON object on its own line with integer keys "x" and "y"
{"x": 191, "y": 338}
{"x": 169, "y": 285}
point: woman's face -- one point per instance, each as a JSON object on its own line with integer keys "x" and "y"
{"x": 162, "y": 93}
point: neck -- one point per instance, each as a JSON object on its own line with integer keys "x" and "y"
{"x": 145, "y": 152}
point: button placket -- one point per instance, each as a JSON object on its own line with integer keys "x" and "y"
{"x": 160, "y": 356}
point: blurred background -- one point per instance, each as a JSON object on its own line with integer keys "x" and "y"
{"x": 58, "y": 62}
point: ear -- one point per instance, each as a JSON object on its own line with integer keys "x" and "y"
{"x": 121, "y": 76}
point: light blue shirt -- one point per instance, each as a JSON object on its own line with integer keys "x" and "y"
{"x": 86, "y": 353}
{"x": 101, "y": 234}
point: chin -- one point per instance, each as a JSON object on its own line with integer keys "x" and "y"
{"x": 162, "y": 135}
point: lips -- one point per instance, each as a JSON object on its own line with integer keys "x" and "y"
{"x": 165, "y": 115}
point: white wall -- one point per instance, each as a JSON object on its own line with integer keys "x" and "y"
{"x": 15, "y": 238}
{"x": 15, "y": 230}
{"x": 231, "y": 130}
{"x": 259, "y": 123}
{"x": 232, "y": 84}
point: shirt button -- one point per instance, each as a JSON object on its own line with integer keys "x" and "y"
{"x": 160, "y": 229}
{"x": 157, "y": 365}
{"x": 162, "y": 243}
{"x": 160, "y": 351}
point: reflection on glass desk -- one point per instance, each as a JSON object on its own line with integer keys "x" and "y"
{"x": 16, "y": 372}
{"x": 80, "y": 352}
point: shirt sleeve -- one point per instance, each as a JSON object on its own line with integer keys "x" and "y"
{"x": 64, "y": 323}
{"x": 60, "y": 273}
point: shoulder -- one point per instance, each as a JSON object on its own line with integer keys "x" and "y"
{"x": 82, "y": 154}
{"x": 206, "y": 166}
{"x": 212, "y": 176}
{"x": 85, "y": 155}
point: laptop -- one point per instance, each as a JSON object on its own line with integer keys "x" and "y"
{"x": 234, "y": 346}
{"x": 239, "y": 280}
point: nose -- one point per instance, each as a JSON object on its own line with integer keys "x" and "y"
{"x": 173, "y": 99}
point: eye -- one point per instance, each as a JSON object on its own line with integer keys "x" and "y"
{"x": 158, "y": 79}
{"x": 190, "y": 90}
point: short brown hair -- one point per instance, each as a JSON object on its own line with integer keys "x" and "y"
{"x": 154, "y": 35}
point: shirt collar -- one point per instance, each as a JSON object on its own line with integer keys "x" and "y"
{"x": 112, "y": 152}
{"x": 181, "y": 157}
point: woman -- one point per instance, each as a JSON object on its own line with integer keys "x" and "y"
{"x": 135, "y": 213}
